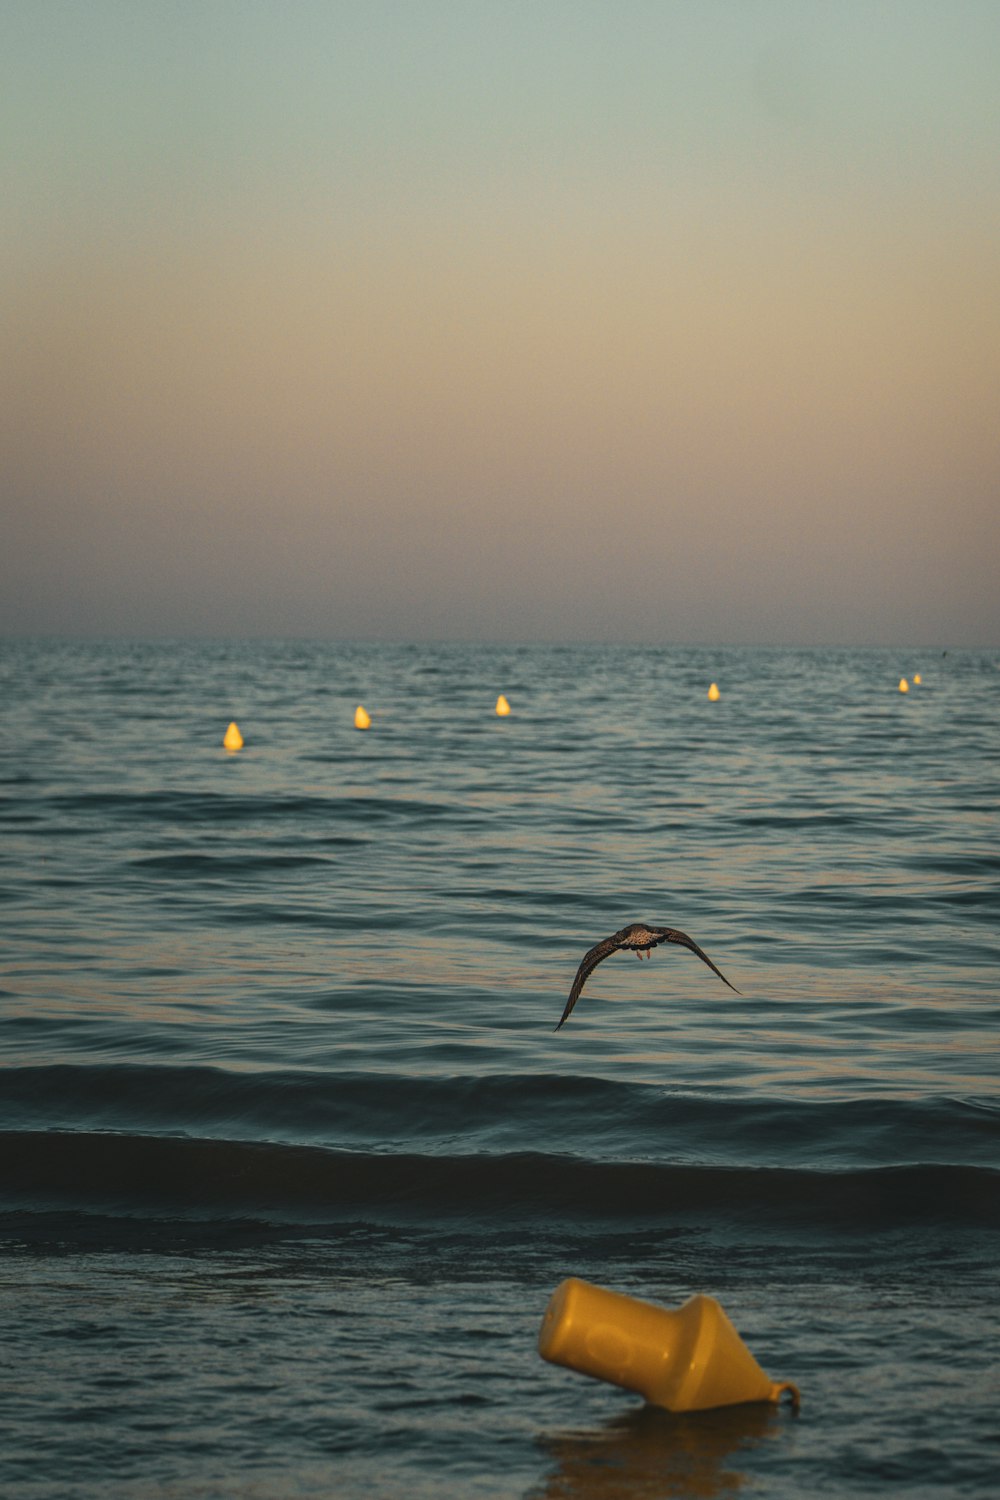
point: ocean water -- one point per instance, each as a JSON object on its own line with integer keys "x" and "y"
{"x": 292, "y": 1157}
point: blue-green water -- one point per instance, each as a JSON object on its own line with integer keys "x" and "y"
{"x": 291, "y": 1156}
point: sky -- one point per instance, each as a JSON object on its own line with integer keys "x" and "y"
{"x": 624, "y": 320}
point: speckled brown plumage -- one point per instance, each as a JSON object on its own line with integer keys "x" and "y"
{"x": 638, "y": 938}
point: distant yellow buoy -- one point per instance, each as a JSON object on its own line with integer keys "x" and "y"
{"x": 904, "y": 686}
{"x": 503, "y": 707}
{"x": 362, "y": 720}
{"x": 917, "y": 679}
{"x": 713, "y": 693}
{"x": 233, "y": 740}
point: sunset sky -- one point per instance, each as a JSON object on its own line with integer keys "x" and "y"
{"x": 518, "y": 320}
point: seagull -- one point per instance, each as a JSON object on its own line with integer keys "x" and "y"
{"x": 640, "y": 939}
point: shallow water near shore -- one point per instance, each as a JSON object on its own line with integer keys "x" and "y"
{"x": 292, "y": 1157}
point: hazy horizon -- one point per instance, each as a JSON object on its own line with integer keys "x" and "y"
{"x": 662, "y": 323}
{"x": 917, "y": 652}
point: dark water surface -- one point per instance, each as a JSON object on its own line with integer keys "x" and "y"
{"x": 291, "y": 1157}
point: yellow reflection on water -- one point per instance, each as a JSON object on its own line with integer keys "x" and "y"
{"x": 649, "y": 1454}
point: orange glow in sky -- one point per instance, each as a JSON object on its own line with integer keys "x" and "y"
{"x": 552, "y": 321}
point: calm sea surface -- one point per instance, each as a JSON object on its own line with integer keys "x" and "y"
{"x": 291, "y": 1157}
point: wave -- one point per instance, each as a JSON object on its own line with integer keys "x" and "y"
{"x": 157, "y": 1177}
{"x": 600, "y": 1118}
{"x": 206, "y": 810}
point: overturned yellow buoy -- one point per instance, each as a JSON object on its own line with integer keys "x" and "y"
{"x": 503, "y": 707}
{"x": 687, "y": 1360}
{"x": 713, "y": 693}
{"x": 904, "y": 686}
{"x": 232, "y": 739}
{"x": 362, "y": 719}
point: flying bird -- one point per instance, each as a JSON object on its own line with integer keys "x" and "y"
{"x": 639, "y": 939}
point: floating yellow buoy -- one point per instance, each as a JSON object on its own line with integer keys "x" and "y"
{"x": 713, "y": 693}
{"x": 917, "y": 679}
{"x": 233, "y": 740}
{"x": 503, "y": 707}
{"x": 362, "y": 720}
{"x": 687, "y": 1360}
{"x": 904, "y": 686}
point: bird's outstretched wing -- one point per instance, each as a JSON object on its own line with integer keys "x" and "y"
{"x": 590, "y": 961}
{"x": 629, "y": 938}
{"x": 671, "y": 935}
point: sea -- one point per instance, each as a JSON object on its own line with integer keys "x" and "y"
{"x": 292, "y": 1154}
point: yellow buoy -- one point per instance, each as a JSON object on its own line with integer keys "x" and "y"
{"x": 362, "y": 720}
{"x": 503, "y": 707}
{"x": 690, "y": 1359}
{"x": 713, "y": 693}
{"x": 904, "y": 686}
{"x": 233, "y": 740}
{"x": 917, "y": 679}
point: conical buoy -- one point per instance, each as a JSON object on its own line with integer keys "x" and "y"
{"x": 713, "y": 693}
{"x": 503, "y": 707}
{"x": 904, "y": 686}
{"x": 362, "y": 719}
{"x": 917, "y": 679}
{"x": 232, "y": 739}
{"x": 686, "y": 1360}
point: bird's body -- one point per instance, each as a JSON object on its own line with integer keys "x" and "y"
{"x": 638, "y": 938}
